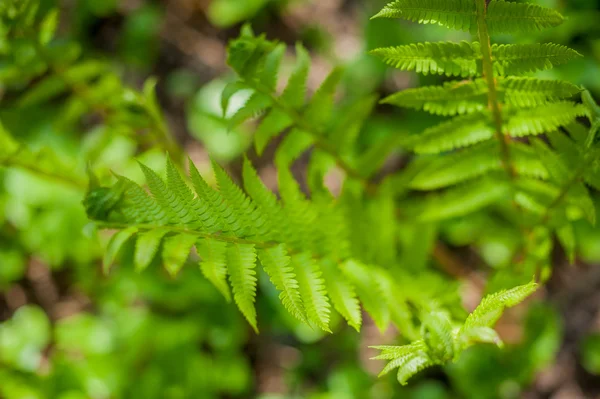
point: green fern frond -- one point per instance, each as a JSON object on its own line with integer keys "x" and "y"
{"x": 312, "y": 290}
{"x": 176, "y": 210}
{"x": 370, "y": 292}
{"x": 274, "y": 123}
{"x": 320, "y": 107}
{"x": 146, "y": 247}
{"x": 460, "y": 97}
{"x": 241, "y": 210}
{"x": 454, "y": 14}
{"x": 458, "y": 132}
{"x": 342, "y": 294}
{"x": 213, "y": 263}
{"x": 175, "y": 251}
{"x": 442, "y": 343}
{"x": 492, "y": 306}
{"x": 294, "y": 94}
{"x": 517, "y": 59}
{"x": 241, "y": 264}
{"x": 532, "y": 92}
{"x": 450, "y": 99}
{"x": 114, "y": 246}
{"x": 277, "y": 264}
{"x": 542, "y": 119}
{"x": 509, "y": 17}
{"x": 475, "y": 162}
{"x": 442, "y": 58}
{"x": 389, "y": 352}
{"x": 460, "y": 200}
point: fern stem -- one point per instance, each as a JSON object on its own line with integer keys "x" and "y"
{"x": 179, "y": 229}
{"x": 319, "y": 141}
{"x": 488, "y": 73}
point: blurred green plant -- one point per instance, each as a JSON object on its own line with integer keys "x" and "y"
{"x": 361, "y": 223}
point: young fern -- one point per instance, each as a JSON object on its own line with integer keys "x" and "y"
{"x": 443, "y": 341}
{"x": 308, "y": 262}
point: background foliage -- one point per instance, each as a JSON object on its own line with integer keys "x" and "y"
{"x": 91, "y": 95}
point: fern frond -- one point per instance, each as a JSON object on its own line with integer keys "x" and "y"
{"x": 242, "y": 212}
{"x": 532, "y": 92}
{"x": 442, "y": 58}
{"x": 165, "y": 198}
{"x": 542, "y": 119}
{"x": 175, "y": 251}
{"x": 274, "y": 123}
{"x": 440, "y": 341}
{"x": 454, "y": 14}
{"x": 517, "y": 59}
{"x": 189, "y": 208}
{"x": 475, "y": 162}
{"x": 312, "y": 290}
{"x": 277, "y": 264}
{"x": 509, "y": 17}
{"x": 215, "y": 212}
{"x": 461, "y": 200}
{"x": 146, "y": 247}
{"x": 492, "y": 306}
{"x": 413, "y": 366}
{"x": 241, "y": 264}
{"x": 450, "y": 99}
{"x": 114, "y": 246}
{"x": 320, "y": 107}
{"x": 139, "y": 206}
{"x": 369, "y": 291}
{"x": 389, "y": 352}
{"x": 458, "y": 132}
{"x": 342, "y": 294}
{"x": 437, "y": 333}
{"x": 213, "y": 263}
{"x": 294, "y": 94}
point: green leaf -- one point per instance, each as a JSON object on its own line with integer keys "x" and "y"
{"x": 146, "y": 247}
{"x": 461, "y": 131}
{"x": 213, "y": 263}
{"x": 442, "y": 58}
{"x": 272, "y": 125}
{"x": 342, "y": 294}
{"x": 369, "y": 292}
{"x": 492, "y": 306}
{"x": 454, "y": 14}
{"x": 510, "y": 17}
{"x": 277, "y": 264}
{"x": 517, "y": 59}
{"x": 294, "y": 94}
{"x": 312, "y": 290}
{"x": 241, "y": 263}
{"x": 542, "y": 119}
{"x": 176, "y": 250}
{"x": 456, "y": 97}
{"x": 114, "y": 245}
{"x": 48, "y": 26}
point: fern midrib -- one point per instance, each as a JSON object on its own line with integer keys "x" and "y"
{"x": 316, "y": 134}
{"x": 437, "y": 10}
{"x": 183, "y": 230}
{"x": 488, "y": 72}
